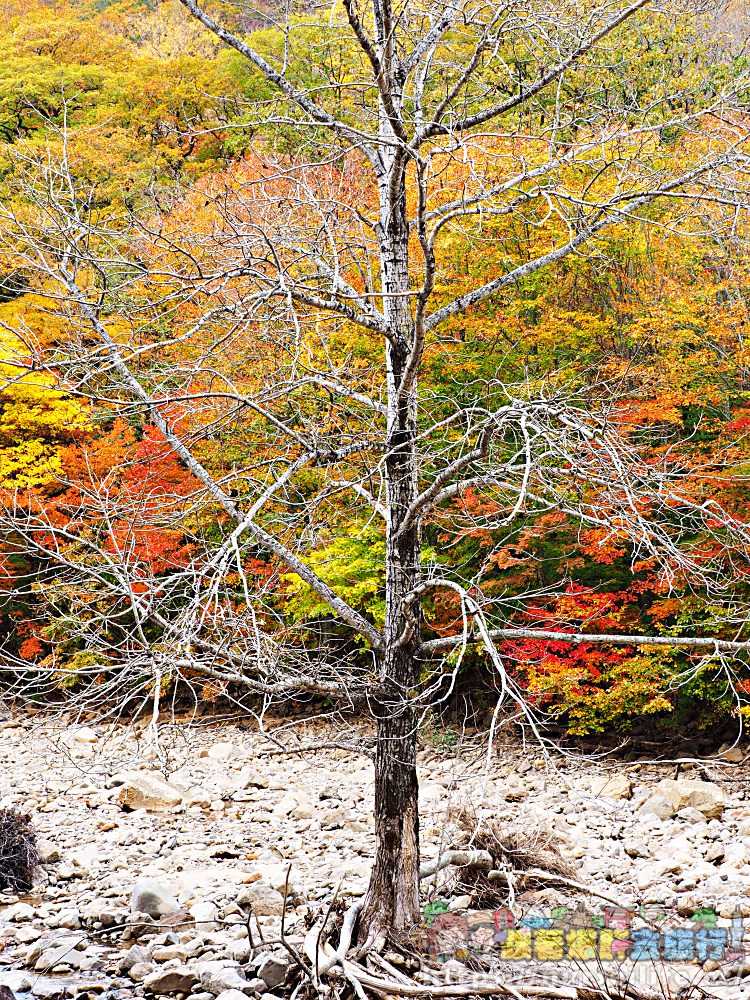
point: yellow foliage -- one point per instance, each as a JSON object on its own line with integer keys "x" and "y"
{"x": 36, "y": 419}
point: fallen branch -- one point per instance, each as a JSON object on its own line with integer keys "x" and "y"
{"x": 456, "y": 859}
{"x": 322, "y": 957}
{"x": 504, "y": 876}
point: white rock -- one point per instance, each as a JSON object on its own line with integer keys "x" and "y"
{"x": 205, "y": 915}
{"x": 17, "y": 913}
{"x": 83, "y": 735}
{"x": 303, "y": 810}
{"x": 68, "y": 918}
{"x": 285, "y": 805}
{"x": 48, "y": 852}
{"x": 152, "y": 898}
{"x": 218, "y": 977}
{"x": 224, "y": 750}
{"x": 691, "y": 815}
{"x": 334, "y": 818}
{"x": 659, "y": 806}
{"x": 275, "y": 875}
{"x": 231, "y": 995}
{"x": 251, "y": 777}
{"x": 197, "y": 797}
{"x": 736, "y": 855}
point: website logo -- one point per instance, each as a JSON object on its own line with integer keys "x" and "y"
{"x": 649, "y": 933}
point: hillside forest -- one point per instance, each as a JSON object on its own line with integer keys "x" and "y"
{"x": 141, "y": 152}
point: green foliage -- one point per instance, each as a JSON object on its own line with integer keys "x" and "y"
{"x": 353, "y": 565}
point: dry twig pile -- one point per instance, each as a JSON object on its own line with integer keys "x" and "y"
{"x": 19, "y": 856}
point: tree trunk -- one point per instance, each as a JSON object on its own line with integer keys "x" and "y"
{"x": 392, "y": 906}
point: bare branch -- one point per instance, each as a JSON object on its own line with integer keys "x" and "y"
{"x": 434, "y": 646}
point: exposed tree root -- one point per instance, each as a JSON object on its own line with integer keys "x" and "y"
{"x": 329, "y": 964}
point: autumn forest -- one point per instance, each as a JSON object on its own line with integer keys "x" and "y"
{"x": 384, "y": 361}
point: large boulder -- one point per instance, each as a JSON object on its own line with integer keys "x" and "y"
{"x": 704, "y": 796}
{"x": 148, "y": 791}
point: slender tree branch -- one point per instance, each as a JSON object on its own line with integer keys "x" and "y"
{"x": 435, "y": 646}
{"x": 494, "y": 111}
{"x": 297, "y": 565}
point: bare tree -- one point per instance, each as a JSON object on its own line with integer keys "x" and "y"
{"x": 448, "y": 115}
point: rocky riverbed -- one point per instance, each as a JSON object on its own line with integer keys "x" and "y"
{"x": 155, "y": 853}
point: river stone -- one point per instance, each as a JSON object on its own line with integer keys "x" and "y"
{"x": 178, "y": 979}
{"x": 50, "y": 988}
{"x": 133, "y": 956}
{"x": 84, "y": 734}
{"x": 276, "y": 875}
{"x": 334, "y": 818}
{"x": 205, "y": 914}
{"x": 153, "y": 899}
{"x": 733, "y": 754}
{"x": 691, "y": 815}
{"x": 48, "y": 852}
{"x": 613, "y": 786}
{"x": 223, "y": 750}
{"x": 273, "y": 970}
{"x": 251, "y": 777}
{"x": 140, "y": 971}
{"x": 218, "y": 977}
{"x": 63, "y": 954}
{"x": 196, "y": 796}
{"x": 17, "y": 913}
{"x": 262, "y": 899}
{"x": 659, "y": 806}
